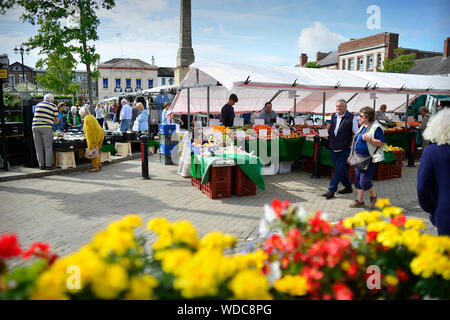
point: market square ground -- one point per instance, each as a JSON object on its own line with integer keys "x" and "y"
{"x": 67, "y": 210}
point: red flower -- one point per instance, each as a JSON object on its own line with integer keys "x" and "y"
{"x": 9, "y": 246}
{"x": 39, "y": 249}
{"x": 293, "y": 239}
{"x": 353, "y": 269}
{"x": 265, "y": 269}
{"x": 274, "y": 242}
{"x": 285, "y": 262}
{"x": 326, "y": 296}
{"x": 279, "y": 206}
{"x": 398, "y": 221}
{"x": 312, "y": 273}
{"x": 342, "y": 292}
{"x": 316, "y": 222}
{"x": 340, "y": 228}
{"x": 371, "y": 236}
{"x": 402, "y": 275}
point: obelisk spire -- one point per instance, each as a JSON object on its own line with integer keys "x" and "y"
{"x": 185, "y": 52}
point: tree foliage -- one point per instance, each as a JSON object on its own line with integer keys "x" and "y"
{"x": 312, "y": 64}
{"x": 66, "y": 28}
{"x": 59, "y": 74}
{"x": 400, "y": 64}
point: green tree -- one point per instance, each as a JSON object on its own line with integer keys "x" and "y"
{"x": 59, "y": 74}
{"x": 66, "y": 27}
{"x": 400, "y": 64}
{"x": 312, "y": 64}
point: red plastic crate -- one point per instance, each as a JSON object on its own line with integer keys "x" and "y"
{"x": 400, "y": 155}
{"x": 241, "y": 184}
{"x": 196, "y": 182}
{"x": 351, "y": 173}
{"x": 219, "y": 185}
{"x": 396, "y": 171}
{"x": 383, "y": 171}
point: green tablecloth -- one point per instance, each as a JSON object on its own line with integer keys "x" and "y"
{"x": 250, "y": 165}
{"x": 397, "y": 139}
{"x": 108, "y": 148}
{"x": 153, "y": 143}
{"x": 289, "y": 149}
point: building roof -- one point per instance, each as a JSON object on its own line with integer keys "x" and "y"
{"x": 433, "y": 65}
{"x": 116, "y": 60}
{"x": 330, "y": 59}
{"x": 165, "y": 72}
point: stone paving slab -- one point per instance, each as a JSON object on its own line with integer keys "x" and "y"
{"x": 67, "y": 210}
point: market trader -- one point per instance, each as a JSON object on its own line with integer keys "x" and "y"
{"x": 340, "y": 133}
{"x": 45, "y": 116}
{"x": 268, "y": 114}
{"x": 228, "y": 111}
{"x": 125, "y": 116}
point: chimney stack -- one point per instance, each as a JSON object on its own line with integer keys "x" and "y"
{"x": 446, "y": 47}
{"x": 153, "y": 60}
{"x": 320, "y": 56}
{"x": 303, "y": 60}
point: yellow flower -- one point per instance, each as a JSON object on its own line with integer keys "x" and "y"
{"x": 111, "y": 282}
{"x": 292, "y": 285}
{"x": 414, "y": 223}
{"x": 389, "y": 238}
{"x": 159, "y": 225}
{"x": 391, "y": 280}
{"x": 391, "y": 211}
{"x": 381, "y": 203}
{"x": 184, "y": 231}
{"x": 174, "y": 258}
{"x": 361, "y": 259}
{"x": 217, "y": 240}
{"x": 50, "y": 285}
{"x": 164, "y": 240}
{"x": 250, "y": 285}
{"x": 411, "y": 238}
{"x": 141, "y": 288}
{"x": 132, "y": 221}
{"x": 345, "y": 265}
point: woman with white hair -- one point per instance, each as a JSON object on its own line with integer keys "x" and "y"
{"x": 74, "y": 118}
{"x": 433, "y": 178}
{"x": 94, "y": 135}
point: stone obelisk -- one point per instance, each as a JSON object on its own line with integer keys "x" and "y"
{"x": 185, "y": 53}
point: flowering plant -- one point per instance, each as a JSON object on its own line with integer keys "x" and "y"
{"x": 362, "y": 257}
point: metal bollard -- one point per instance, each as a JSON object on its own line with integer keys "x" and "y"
{"x": 316, "y": 158}
{"x": 144, "y": 144}
{"x": 412, "y": 149}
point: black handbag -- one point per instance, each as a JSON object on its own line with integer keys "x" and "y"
{"x": 359, "y": 161}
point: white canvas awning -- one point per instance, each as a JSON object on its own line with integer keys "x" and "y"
{"x": 255, "y": 85}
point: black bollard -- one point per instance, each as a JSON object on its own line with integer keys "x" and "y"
{"x": 316, "y": 158}
{"x": 412, "y": 148}
{"x": 144, "y": 144}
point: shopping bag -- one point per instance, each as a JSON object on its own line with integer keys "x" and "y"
{"x": 92, "y": 154}
{"x": 135, "y": 126}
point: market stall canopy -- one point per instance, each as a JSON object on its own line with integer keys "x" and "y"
{"x": 254, "y": 85}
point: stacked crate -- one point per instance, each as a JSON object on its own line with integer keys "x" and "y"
{"x": 396, "y": 169}
{"x": 242, "y": 185}
{"x": 166, "y": 143}
{"x": 219, "y": 184}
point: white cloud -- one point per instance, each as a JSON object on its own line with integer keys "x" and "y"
{"x": 318, "y": 38}
{"x": 207, "y": 30}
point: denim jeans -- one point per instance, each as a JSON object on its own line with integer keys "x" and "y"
{"x": 125, "y": 125}
{"x": 340, "y": 173}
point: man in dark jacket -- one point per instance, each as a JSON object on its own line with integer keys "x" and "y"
{"x": 340, "y": 133}
{"x": 228, "y": 111}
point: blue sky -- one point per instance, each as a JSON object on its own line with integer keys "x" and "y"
{"x": 253, "y": 32}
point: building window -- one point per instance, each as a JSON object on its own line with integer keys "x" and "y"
{"x": 351, "y": 64}
{"x": 370, "y": 62}
{"x": 360, "y": 64}
{"x": 163, "y": 81}
{"x": 21, "y": 79}
{"x": 138, "y": 83}
{"x": 117, "y": 83}
{"x": 150, "y": 83}
{"x": 171, "y": 81}
{"x": 343, "y": 64}
{"x": 379, "y": 60}
{"x": 128, "y": 80}
{"x": 105, "y": 83}
{"x": 12, "y": 80}
{"x": 16, "y": 68}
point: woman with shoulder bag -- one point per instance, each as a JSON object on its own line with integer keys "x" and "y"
{"x": 366, "y": 153}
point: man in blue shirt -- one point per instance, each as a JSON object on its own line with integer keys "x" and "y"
{"x": 227, "y": 111}
{"x": 61, "y": 125}
{"x": 269, "y": 116}
{"x": 125, "y": 116}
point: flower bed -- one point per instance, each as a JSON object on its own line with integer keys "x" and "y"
{"x": 371, "y": 255}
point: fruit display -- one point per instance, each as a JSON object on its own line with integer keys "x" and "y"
{"x": 222, "y": 129}
{"x": 293, "y": 135}
{"x": 392, "y": 148}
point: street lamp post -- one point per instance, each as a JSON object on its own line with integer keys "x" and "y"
{"x": 23, "y": 50}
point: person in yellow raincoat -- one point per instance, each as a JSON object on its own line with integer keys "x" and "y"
{"x": 94, "y": 135}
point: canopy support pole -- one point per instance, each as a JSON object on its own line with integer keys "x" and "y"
{"x": 207, "y": 106}
{"x": 295, "y": 104}
{"x": 324, "y": 96}
{"x": 189, "y": 109}
{"x": 374, "y": 103}
{"x": 406, "y": 111}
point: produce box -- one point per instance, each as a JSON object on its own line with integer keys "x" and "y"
{"x": 166, "y": 149}
{"x": 166, "y": 128}
{"x": 219, "y": 184}
{"x": 241, "y": 184}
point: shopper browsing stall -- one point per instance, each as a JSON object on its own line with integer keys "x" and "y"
{"x": 125, "y": 116}
{"x": 74, "y": 118}
{"x": 141, "y": 122}
{"x": 367, "y": 143}
{"x": 94, "y": 135}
